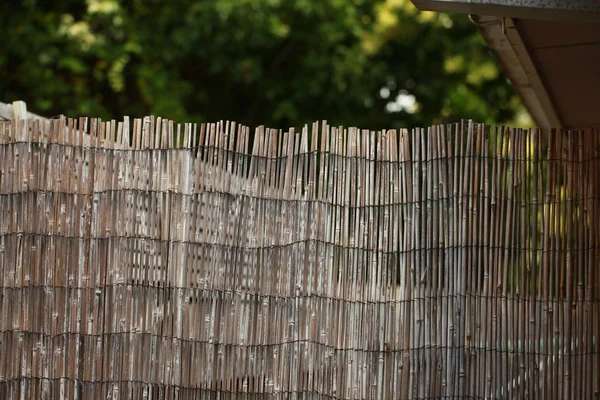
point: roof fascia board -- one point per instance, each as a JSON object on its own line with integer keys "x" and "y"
{"x": 562, "y": 10}
{"x": 502, "y": 36}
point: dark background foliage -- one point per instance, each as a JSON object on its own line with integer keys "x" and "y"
{"x": 368, "y": 63}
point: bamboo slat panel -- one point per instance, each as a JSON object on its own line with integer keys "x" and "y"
{"x": 147, "y": 259}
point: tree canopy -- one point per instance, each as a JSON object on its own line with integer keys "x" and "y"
{"x": 368, "y": 63}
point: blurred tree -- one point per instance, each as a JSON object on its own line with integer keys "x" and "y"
{"x": 369, "y": 63}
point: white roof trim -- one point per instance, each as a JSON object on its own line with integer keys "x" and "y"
{"x": 504, "y": 39}
{"x": 564, "y": 10}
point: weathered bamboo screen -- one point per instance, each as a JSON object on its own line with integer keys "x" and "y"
{"x": 178, "y": 261}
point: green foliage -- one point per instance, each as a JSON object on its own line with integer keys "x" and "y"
{"x": 371, "y": 63}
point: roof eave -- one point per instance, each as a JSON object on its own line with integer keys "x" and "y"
{"x": 503, "y": 38}
{"x": 563, "y": 10}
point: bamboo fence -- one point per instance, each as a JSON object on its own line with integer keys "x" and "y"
{"x": 147, "y": 259}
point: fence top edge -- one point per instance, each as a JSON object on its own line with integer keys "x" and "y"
{"x": 152, "y": 132}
